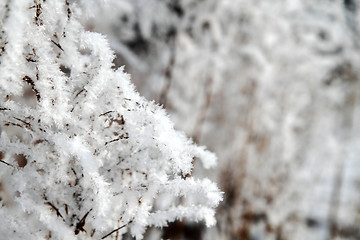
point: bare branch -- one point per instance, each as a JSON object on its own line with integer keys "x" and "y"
{"x": 58, "y": 45}
{"x": 56, "y": 210}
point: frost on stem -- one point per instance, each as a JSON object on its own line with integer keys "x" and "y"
{"x": 82, "y": 154}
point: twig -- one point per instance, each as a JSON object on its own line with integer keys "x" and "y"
{"x": 82, "y": 89}
{"x": 22, "y": 121}
{"x": 56, "y": 210}
{"x": 105, "y": 113}
{"x": 80, "y": 225}
{"x": 114, "y": 140}
{"x": 122, "y": 136}
{"x": 77, "y": 179}
{"x": 14, "y": 124}
{"x": 58, "y": 45}
{"x": 26, "y": 123}
{"x": 6, "y": 163}
{"x": 115, "y": 230}
{"x": 32, "y": 85}
{"x": 38, "y": 20}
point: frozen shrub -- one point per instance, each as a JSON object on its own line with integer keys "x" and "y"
{"x": 82, "y": 154}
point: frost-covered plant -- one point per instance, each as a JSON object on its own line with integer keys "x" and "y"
{"x": 83, "y": 156}
{"x": 271, "y": 86}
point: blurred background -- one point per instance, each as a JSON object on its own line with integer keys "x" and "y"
{"x": 272, "y": 87}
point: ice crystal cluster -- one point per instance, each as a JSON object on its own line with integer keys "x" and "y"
{"x": 83, "y": 156}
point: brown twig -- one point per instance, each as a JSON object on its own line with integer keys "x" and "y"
{"x": 122, "y": 136}
{"x": 6, "y": 163}
{"x": 38, "y": 20}
{"x": 28, "y": 125}
{"x": 58, "y": 45}
{"x": 105, "y": 113}
{"x": 80, "y": 225}
{"x": 32, "y": 85}
{"x": 82, "y": 89}
{"x": 115, "y": 230}
{"x": 56, "y": 210}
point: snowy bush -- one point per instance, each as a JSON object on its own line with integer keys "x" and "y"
{"x": 271, "y": 86}
{"x": 83, "y": 156}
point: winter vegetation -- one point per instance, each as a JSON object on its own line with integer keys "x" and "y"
{"x": 83, "y": 155}
{"x": 271, "y": 87}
